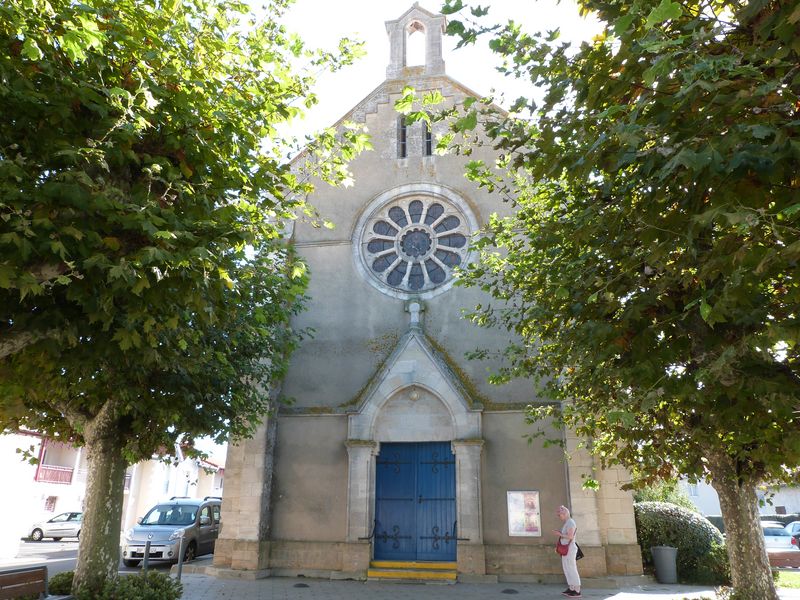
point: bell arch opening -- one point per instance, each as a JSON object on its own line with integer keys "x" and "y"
{"x": 416, "y": 44}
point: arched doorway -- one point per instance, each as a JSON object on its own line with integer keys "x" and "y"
{"x": 414, "y": 440}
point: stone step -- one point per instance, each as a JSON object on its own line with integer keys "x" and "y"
{"x": 411, "y": 575}
{"x": 442, "y": 572}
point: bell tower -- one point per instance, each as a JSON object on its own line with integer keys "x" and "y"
{"x": 415, "y": 20}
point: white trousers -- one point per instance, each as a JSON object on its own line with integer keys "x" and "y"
{"x": 570, "y": 566}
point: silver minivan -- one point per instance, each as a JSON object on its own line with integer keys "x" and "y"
{"x": 193, "y": 519}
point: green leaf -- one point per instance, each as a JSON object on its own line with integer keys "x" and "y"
{"x": 452, "y": 6}
{"x": 590, "y": 484}
{"x": 665, "y": 11}
{"x": 6, "y": 275}
{"x": 72, "y": 231}
{"x": 761, "y": 132}
{"x": 31, "y": 50}
{"x": 298, "y": 270}
{"x": 405, "y": 103}
{"x": 467, "y": 123}
{"x": 791, "y": 210}
{"x": 112, "y": 243}
{"x": 73, "y": 45}
{"x": 705, "y": 310}
{"x": 141, "y": 284}
{"x": 432, "y": 98}
{"x": 479, "y": 11}
{"x": 622, "y": 24}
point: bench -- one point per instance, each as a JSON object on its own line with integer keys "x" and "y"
{"x": 19, "y": 583}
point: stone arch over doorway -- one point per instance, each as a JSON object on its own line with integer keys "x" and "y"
{"x": 414, "y": 397}
{"x": 413, "y": 414}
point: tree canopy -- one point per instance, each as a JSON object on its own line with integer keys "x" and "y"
{"x": 145, "y": 289}
{"x": 650, "y": 270}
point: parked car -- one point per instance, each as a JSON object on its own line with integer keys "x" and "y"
{"x": 776, "y": 537}
{"x": 194, "y": 520}
{"x": 66, "y": 524}
{"x": 793, "y": 528}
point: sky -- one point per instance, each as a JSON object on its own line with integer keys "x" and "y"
{"x": 321, "y": 23}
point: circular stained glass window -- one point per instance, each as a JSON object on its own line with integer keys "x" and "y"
{"x": 412, "y": 245}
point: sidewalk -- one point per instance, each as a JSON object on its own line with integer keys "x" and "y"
{"x": 204, "y": 587}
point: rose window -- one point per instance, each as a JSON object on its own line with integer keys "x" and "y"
{"x": 413, "y": 245}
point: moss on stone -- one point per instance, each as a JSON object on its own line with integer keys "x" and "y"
{"x": 474, "y": 396}
{"x": 366, "y": 443}
{"x": 383, "y": 344}
{"x": 359, "y": 396}
{"x": 471, "y": 390}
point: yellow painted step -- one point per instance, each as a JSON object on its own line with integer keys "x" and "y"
{"x": 399, "y": 564}
{"x": 419, "y": 575}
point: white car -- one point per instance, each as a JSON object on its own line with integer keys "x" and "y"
{"x": 66, "y": 524}
{"x": 793, "y": 528}
{"x": 776, "y": 537}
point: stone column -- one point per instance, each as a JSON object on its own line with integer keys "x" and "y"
{"x": 604, "y": 517}
{"x": 397, "y": 49}
{"x": 244, "y": 532}
{"x": 623, "y": 555}
{"x": 360, "y": 502}
{"x": 471, "y": 552}
{"x": 434, "y": 63}
{"x": 584, "y": 505}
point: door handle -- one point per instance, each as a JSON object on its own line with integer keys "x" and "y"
{"x": 419, "y": 501}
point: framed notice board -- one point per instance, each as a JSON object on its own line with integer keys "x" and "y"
{"x": 524, "y": 518}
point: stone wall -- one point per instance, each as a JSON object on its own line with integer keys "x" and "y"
{"x": 245, "y": 507}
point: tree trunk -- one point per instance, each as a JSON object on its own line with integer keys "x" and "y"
{"x": 750, "y": 571}
{"x": 98, "y": 559}
{"x": 11, "y": 343}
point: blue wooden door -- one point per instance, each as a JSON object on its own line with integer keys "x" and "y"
{"x": 395, "y": 502}
{"x": 415, "y": 502}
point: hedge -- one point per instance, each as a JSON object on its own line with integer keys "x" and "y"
{"x": 143, "y": 586}
{"x": 702, "y": 557}
{"x": 60, "y": 584}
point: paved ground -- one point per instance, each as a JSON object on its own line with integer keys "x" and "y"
{"x": 60, "y": 556}
{"x": 203, "y": 587}
{"x": 56, "y": 556}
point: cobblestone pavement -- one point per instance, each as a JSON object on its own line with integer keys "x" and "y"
{"x": 204, "y": 587}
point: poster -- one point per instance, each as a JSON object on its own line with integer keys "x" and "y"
{"x": 524, "y": 518}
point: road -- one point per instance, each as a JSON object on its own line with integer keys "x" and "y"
{"x": 56, "y": 556}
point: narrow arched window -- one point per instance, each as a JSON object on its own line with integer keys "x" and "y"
{"x": 427, "y": 140}
{"x": 402, "y": 138}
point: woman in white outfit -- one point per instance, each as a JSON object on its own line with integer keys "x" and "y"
{"x": 568, "y": 562}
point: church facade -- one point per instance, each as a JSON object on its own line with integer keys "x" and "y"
{"x": 395, "y": 449}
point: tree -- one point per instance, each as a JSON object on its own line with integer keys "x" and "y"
{"x": 650, "y": 270}
{"x": 206, "y": 378}
{"x": 115, "y": 116}
{"x": 145, "y": 291}
{"x": 665, "y": 491}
